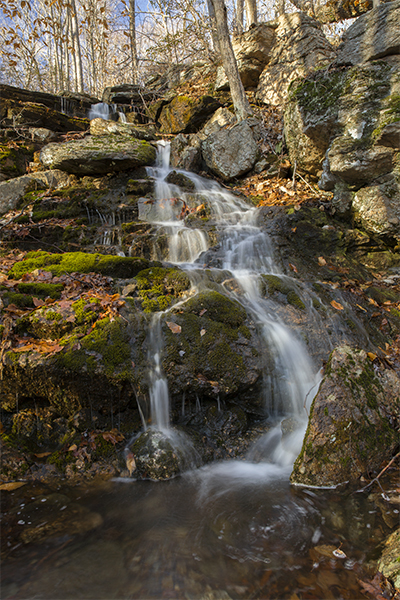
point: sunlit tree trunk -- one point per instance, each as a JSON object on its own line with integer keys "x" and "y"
{"x": 240, "y": 102}
{"x": 251, "y": 12}
{"x": 76, "y": 48}
{"x": 213, "y": 25}
{"x": 239, "y": 16}
{"x": 132, "y": 32}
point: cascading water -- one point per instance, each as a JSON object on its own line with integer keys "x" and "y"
{"x": 246, "y": 254}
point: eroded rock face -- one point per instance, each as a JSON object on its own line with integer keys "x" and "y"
{"x": 353, "y": 423}
{"x": 299, "y": 48}
{"x": 98, "y": 154}
{"x": 232, "y": 152}
{"x": 103, "y": 127}
{"x": 252, "y": 50}
{"x": 342, "y": 126}
{"x": 374, "y": 35}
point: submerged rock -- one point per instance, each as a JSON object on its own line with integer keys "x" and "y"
{"x": 353, "y": 424}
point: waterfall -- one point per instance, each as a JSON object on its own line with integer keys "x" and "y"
{"x": 101, "y": 110}
{"x": 247, "y": 254}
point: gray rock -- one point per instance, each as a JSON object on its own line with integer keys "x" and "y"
{"x": 377, "y": 207}
{"x": 13, "y": 190}
{"x": 223, "y": 117}
{"x": 374, "y": 35}
{"x": 41, "y": 134}
{"x": 185, "y": 152}
{"x": 389, "y": 564}
{"x": 252, "y": 50}
{"x": 232, "y": 152}
{"x": 98, "y": 154}
{"x": 358, "y": 166}
{"x": 300, "y": 47}
{"x": 353, "y": 423}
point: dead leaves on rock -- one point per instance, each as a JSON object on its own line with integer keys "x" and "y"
{"x": 174, "y": 327}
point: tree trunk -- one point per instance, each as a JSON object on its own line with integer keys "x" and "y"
{"x": 334, "y": 10}
{"x": 239, "y": 16}
{"x": 240, "y": 102}
{"x": 132, "y": 33}
{"x": 251, "y": 13}
{"x": 77, "y": 48}
{"x": 213, "y": 25}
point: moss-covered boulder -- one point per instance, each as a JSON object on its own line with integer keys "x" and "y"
{"x": 353, "y": 424}
{"x": 78, "y": 262}
{"x": 20, "y": 114}
{"x": 14, "y": 158}
{"x": 211, "y": 349}
{"x": 185, "y": 115}
{"x": 98, "y": 154}
{"x": 159, "y": 287}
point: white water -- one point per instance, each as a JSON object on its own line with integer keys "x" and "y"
{"x": 246, "y": 253}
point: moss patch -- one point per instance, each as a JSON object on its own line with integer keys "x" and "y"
{"x": 159, "y": 286}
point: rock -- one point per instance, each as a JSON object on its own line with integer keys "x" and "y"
{"x": 13, "y": 190}
{"x": 68, "y": 102}
{"x": 184, "y": 115}
{"x": 232, "y": 152}
{"x": 374, "y": 35}
{"x": 13, "y": 159}
{"x": 98, "y": 154}
{"x": 102, "y": 127}
{"x": 223, "y": 117}
{"x": 353, "y": 423}
{"x": 347, "y": 143}
{"x": 41, "y": 134}
{"x": 389, "y": 564}
{"x": 221, "y": 361}
{"x": 162, "y": 455}
{"x": 186, "y": 152}
{"x": 377, "y": 207}
{"x": 181, "y": 180}
{"x": 33, "y": 114}
{"x": 252, "y": 50}
{"x": 300, "y": 47}
{"x": 126, "y": 94}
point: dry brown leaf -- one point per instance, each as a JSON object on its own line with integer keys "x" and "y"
{"x": 321, "y": 261}
{"x": 202, "y": 332}
{"x": 337, "y": 305}
{"x": 174, "y": 327}
{"x": 11, "y": 485}
{"x": 201, "y": 313}
{"x": 42, "y": 454}
{"x": 371, "y": 356}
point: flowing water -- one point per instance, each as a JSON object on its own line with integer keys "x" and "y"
{"x": 233, "y": 529}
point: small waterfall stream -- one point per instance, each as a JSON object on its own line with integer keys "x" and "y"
{"x": 247, "y": 254}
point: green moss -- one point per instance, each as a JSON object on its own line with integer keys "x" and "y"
{"x": 78, "y": 262}
{"x": 84, "y": 312}
{"x": 20, "y": 300}
{"x": 42, "y": 290}
{"x": 217, "y": 307}
{"x": 158, "y": 287}
{"x": 273, "y": 283}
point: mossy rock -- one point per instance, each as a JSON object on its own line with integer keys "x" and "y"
{"x": 78, "y": 262}
{"x": 158, "y": 287}
{"x": 272, "y": 283}
{"x": 13, "y": 160}
{"x": 217, "y": 307}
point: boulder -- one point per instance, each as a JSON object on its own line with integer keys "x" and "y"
{"x": 186, "y": 152}
{"x": 232, "y": 152}
{"x": 126, "y": 94}
{"x": 353, "y": 424}
{"x": 377, "y": 207}
{"x": 252, "y": 50}
{"x": 300, "y": 47}
{"x": 212, "y": 349}
{"x": 376, "y": 34}
{"x": 185, "y": 115}
{"x": 98, "y": 154}
{"x": 223, "y": 117}
{"x": 102, "y": 127}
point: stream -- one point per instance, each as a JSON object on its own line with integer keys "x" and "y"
{"x": 229, "y": 530}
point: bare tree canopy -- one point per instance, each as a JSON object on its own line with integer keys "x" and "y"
{"x": 334, "y": 10}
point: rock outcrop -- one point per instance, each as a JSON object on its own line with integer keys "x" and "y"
{"x": 374, "y": 35}
{"x": 184, "y": 115}
{"x": 299, "y": 48}
{"x": 252, "y": 51}
{"x": 353, "y": 423}
{"x": 98, "y": 154}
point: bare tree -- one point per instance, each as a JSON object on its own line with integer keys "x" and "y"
{"x": 240, "y": 102}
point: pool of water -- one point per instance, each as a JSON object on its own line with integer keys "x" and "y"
{"x": 232, "y": 530}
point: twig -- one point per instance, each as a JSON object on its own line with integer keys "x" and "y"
{"x": 306, "y": 182}
{"x": 377, "y": 477}
{"x": 294, "y": 175}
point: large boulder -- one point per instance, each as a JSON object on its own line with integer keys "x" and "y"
{"x": 100, "y": 126}
{"x": 252, "y": 51}
{"x": 230, "y": 153}
{"x": 98, "y": 154}
{"x": 300, "y": 47}
{"x": 374, "y": 35}
{"x": 32, "y": 114}
{"x": 185, "y": 115}
{"x": 342, "y": 126}
{"x": 353, "y": 424}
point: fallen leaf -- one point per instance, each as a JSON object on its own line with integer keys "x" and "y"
{"x": 174, "y": 327}
{"x": 42, "y": 454}
{"x": 321, "y": 261}
{"x": 361, "y": 307}
{"x": 37, "y": 302}
{"x": 336, "y": 305}
{"x": 201, "y": 313}
{"x": 202, "y": 332}
{"x": 293, "y": 267}
{"x": 339, "y": 553}
{"x": 371, "y": 356}
{"x": 73, "y": 448}
{"x": 11, "y": 485}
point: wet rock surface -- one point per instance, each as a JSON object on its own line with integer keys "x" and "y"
{"x": 353, "y": 423}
